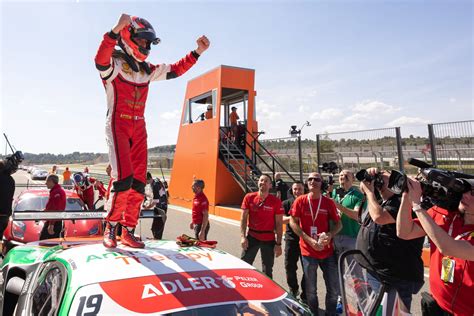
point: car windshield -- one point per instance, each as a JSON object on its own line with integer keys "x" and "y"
{"x": 36, "y": 203}
{"x": 284, "y": 307}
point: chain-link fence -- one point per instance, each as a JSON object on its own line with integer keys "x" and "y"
{"x": 361, "y": 149}
{"x": 452, "y": 145}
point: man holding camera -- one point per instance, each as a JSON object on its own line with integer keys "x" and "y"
{"x": 315, "y": 220}
{"x": 452, "y": 249}
{"x": 7, "y": 184}
{"x": 393, "y": 261}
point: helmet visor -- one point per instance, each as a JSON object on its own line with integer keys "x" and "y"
{"x": 148, "y": 35}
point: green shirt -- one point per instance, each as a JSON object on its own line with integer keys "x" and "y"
{"x": 352, "y": 199}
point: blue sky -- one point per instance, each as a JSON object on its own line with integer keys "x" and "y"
{"x": 342, "y": 65}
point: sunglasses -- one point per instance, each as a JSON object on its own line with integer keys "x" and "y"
{"x": 315, "y": 179}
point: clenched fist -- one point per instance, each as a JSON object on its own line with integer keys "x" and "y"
{"x": 203, "y": 44}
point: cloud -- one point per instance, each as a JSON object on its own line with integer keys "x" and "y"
{"x": 369, "y": 106}
{"x": 452, "y": 100}
{"x": 267, "y": 111}
{"x": 303, "y": 108}
{"x": 407, "y": 121}
{"x": 171, "y": 115}
{"x": 327, "y": 114}
{"x": 345, "y": 127}
{"x": 50, "y": 111}
{"x": 357, "y": 118}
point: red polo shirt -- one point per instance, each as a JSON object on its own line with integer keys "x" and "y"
{"x": 261, "y": 221}
{"x": 463, "y": 281}
{"x": 327, "y": 211}
{"x": 56, "y": 200}
{"x": 200, "y": 204}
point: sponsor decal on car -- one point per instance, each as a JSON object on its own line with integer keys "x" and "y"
{"x": 178, "y": 291}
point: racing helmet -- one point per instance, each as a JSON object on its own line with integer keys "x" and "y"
{"x": 138, "y": 29}
{"x": 79, "y": 178}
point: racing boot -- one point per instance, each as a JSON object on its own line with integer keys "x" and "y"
{"x": 129, "y": 239}
{"x": 110, "y": 236}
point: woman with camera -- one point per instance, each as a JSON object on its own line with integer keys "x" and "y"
{"x": 452, "y": 249}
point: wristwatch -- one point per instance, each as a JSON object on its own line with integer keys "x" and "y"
{"x": 417, "y": 207}
{"x": 278, "y": 243}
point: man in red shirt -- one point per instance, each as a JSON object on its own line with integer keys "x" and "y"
{"x": 263, "y": 214}
{"x": 200, "y": 211}
{"x": 452, "y": 248}
{"x": 56, "y": 202}
{"x": 310, "y": 217}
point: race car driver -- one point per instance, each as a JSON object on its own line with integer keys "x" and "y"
{"x": 84, "y": 186}
{"x": 126, "y": 75}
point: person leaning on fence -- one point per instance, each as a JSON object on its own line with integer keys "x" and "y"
{"x": 451, "y": 236}
{"x": 56, "y": 202}
{"x": 292, "y": 244}
{"x": 200, "y": 211}
{"x": 262, "y": 214}
{"x": 393, "y": 261}
{"x": 315, "y": 220}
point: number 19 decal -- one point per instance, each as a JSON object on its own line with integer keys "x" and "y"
{"x": 92, "y": 305}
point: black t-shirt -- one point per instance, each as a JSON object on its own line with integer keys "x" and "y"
{"x": 289, "y": 234}
{"x": 392, "y": 258}
{"x": 7, "y": 190}
{"x": 160, "y": 194}
{"x": 282, "y": 187}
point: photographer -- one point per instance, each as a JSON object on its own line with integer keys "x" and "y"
{"x": 452, "y": 249}
{"x": 395, "y": 261}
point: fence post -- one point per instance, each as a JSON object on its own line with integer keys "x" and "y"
{"x": 432, "y": 138}
{"x": 399, "y": 149}
{"x": 300, "y": 158}
{"x": 318, "y": 152}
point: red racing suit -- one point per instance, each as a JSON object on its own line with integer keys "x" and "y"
{"x": 86, "y": 192}
{"x": 126, "y": 135}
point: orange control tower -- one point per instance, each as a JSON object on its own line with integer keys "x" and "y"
{"x": 209, "y": 148}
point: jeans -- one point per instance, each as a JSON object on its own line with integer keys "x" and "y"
{"x": 267, "y": 252}
{"x": 404, "y": 288}
{"x": 58, "y": 226}
{"x": 158, "y": 225}
{"x": 197, "y": 230}
{"x": 292, "y": 256}
{"x": 329, "y": 268}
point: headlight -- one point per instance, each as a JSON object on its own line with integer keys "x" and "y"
{"x": 18, "y": 229}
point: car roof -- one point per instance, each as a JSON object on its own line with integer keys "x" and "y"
{"x": 44, "y": 192}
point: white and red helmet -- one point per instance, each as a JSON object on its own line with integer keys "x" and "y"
{"x": 138, "y": 29}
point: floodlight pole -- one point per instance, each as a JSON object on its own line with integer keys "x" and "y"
{"x": 294, "y": 131}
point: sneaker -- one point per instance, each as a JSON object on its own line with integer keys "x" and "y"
{"x": 110, "y": 236}
{"x": 129, "y": 239}
{"x": 339, "y": 308}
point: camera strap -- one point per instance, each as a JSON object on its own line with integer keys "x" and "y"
{"x": 313, "y": 217}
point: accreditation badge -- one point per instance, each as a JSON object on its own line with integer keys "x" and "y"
{"x": 447, "y": 269}
{"x": 314, "y": 232}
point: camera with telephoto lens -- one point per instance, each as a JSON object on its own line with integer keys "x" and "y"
{"x": 332, "y": 168}
{"x": 439, "y": 187}
{"x": 363, "y": 175}
{"x": 12, "y": 162}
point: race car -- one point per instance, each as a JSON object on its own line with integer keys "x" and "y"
{"x": 21, "y": 232}
{"x": 80, "y": 277}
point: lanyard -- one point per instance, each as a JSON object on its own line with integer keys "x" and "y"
{"x": 311, "y": 208}
{"x": 450, "y": 231}
{"x": 345, "y": 195}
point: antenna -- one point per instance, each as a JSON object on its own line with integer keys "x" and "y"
{"x": 11, "y": 147}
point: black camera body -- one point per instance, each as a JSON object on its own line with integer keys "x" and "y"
{"x": 332, "y": 168}
{"x": 12, "y": 162}
{"x": 363, "y": 175}
{"x": 439, "y": 187}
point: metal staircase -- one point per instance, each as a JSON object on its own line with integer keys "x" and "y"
{"x": 246, "y": 170}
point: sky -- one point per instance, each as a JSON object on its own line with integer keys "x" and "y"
{"x": 342, "y": 65}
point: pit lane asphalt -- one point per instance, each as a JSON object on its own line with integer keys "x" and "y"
{"x": 227, "y": 233}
